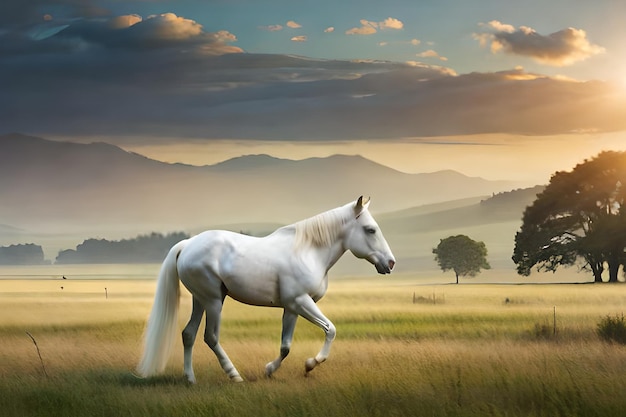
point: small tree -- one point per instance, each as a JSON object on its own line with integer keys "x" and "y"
{"x": 464, "y": 256}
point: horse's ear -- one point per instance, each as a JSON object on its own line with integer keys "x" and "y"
{"x": 361, "y": 204}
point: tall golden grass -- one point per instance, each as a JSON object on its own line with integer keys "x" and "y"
{"x": 466, "y": 350}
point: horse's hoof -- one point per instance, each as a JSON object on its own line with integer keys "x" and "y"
{"x": 310, "y": 364}
{"x": 236, "y": 378}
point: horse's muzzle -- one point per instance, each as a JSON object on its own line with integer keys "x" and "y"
{"x": 385, "y": 268}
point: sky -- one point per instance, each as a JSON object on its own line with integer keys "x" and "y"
{"x": 493, "y": 88}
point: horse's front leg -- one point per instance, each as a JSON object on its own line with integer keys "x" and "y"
{"x": 289, "y": 325}
{"x": 306, "y": 307}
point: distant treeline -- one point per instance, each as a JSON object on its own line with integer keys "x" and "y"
{"x": 28, "y": 254}
{"x": 142, "y": 249}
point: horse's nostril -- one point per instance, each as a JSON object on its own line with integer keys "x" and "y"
{"x": 392, "y": 263}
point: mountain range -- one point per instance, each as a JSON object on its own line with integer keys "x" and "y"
{"x": 64, "y": 189}
{"x": 45, "y": 183}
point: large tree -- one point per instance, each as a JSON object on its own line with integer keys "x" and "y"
{"x": 466, "y": 257}
{"x": 577, "y": 219}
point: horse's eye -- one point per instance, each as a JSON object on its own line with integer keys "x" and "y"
{"x": 370, "y": 230}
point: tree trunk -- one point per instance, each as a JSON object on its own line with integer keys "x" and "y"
{"x": 613, "y": 270}
{"x": 597, "y": 277}
{"x": 597, "y": 269}
{"x": 457, "y": 277}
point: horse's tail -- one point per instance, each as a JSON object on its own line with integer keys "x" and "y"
{"x": 162, "y": 323}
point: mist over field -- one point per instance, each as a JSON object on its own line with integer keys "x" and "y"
{"x": 60, "y": 193}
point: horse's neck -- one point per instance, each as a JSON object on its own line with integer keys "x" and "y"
{"x": 332, "y": 254}
{"x": 324, "y": 239}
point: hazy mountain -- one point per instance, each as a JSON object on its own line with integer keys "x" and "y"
{"x": 502, "y": 207}
{"x": 492, "y": 219}
{"x": 51, "y": 186}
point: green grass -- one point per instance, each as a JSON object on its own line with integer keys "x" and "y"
{"x": 472, "y": 354}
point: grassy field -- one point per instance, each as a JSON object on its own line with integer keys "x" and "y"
{"x": 466, "y": 350}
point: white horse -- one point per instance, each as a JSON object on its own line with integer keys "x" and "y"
{"x": 287, "y": 269}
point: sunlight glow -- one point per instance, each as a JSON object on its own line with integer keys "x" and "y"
{"x": 492, "y": 156}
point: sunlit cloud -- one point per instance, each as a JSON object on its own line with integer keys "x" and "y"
{"x": 442, "y": 70}
{"x": 170, "y": 26}
{"x": 301, "y": 38}
{"x": 519, "y": 74}
{"x": 121, "y": 22}
{"x": 366, "y": 28}
{"x": 369, "y": 27}
{"x": 293, "y": 25}
{"x": 391, "y": 23}
{"x": 131, "y": 32}
{"x": 329, "y": 29}
{"x": 561, "y": 48}
{"x": 431, "y": 53}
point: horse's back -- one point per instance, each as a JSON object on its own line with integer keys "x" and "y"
{"x": 207, "y": 251}
{"x": 245, "y": 266}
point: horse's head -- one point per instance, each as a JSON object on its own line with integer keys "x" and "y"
{"x": 366, "y": 241}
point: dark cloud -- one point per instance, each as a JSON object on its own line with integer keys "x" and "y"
{"x": 25, "y": 14}
{"x": 168, "y": 76}
{"x": 561, "y": 48}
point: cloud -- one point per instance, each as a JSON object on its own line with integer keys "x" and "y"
{"x": 301, "y": 38}
{"x": 413, "y": 42}
{"x": 369, "y": 27}
{"x": 293, "y": 25}
{"x": 443, "y": 70}
{"x": 391, "y": 23}
{"x": 366, "y": 28}
{"x": 167, "y": 76}
{"x": 121, "y": 22}
{"x": 430, "y": 53}
{"x": 168, "y": 26}
{"x": 329, "y": 29}
{"x": 272, "y": 28}
{"x": 130, "y": 32}
{"x": 561, "y": 48}
{"x": 20, "y": 14}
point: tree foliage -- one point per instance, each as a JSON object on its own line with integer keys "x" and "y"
{"x": 26, "y": 254}
{"x": 466, "y": 257}
{"x": 577, "y": 219}
{"x": 144, "y": 248}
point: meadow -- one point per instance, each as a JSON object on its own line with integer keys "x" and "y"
{"x": 405, "y": 346}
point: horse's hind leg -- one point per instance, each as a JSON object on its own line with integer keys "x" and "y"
{"x": 189, "y": 338}
{"x": 213, "y": 309}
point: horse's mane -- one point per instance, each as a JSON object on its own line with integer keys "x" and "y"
{"x": 320, "y": 230}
